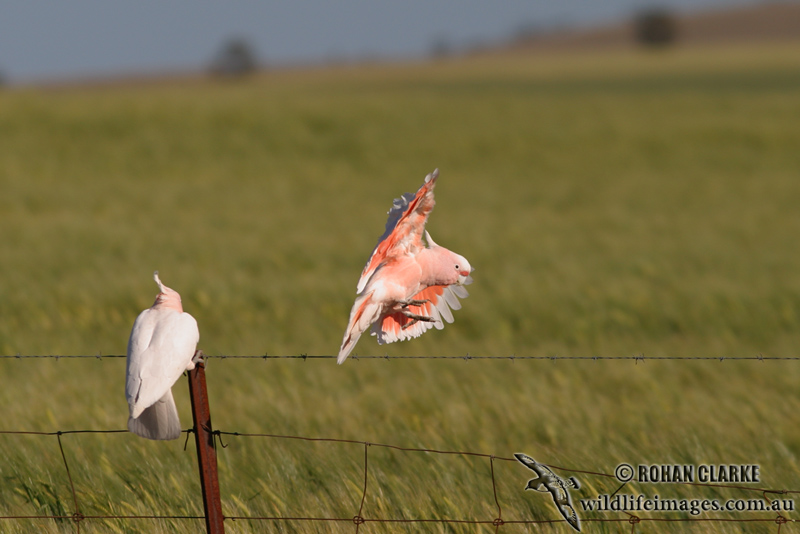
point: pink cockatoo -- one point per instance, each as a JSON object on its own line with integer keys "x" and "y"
{"x": 161, "y": 347}
{"x": 407, "y": 287}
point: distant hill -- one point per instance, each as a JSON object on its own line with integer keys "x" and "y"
{"x": 767, "y": 22}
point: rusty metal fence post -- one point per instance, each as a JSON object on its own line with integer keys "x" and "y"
{"x": 206, "y": 452}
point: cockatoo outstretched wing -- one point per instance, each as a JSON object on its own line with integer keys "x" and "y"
{"x": 441, "y": 300}
{"x": 160, "y": 349}
{"x": 404, "y": 227}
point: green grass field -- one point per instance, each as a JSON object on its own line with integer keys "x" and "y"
{"x": 613, "y": 205}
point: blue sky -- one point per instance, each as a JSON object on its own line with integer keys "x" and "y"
{"x": 50, "y": 40}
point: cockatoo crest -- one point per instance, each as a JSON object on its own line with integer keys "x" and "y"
{"x": 167, "y": 297}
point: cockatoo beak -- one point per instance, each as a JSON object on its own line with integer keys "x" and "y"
{"x": 465, "y": 280}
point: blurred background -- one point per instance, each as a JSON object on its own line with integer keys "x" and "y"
{"x": 56, "y": 41}
{"x": 623, "y": 175}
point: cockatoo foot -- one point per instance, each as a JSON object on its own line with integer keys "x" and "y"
{"x": 407, "y": 303}
{"x": 198, "y": 357}
{"x": 416, "y": 318}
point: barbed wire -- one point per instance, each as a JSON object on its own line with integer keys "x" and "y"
{"x": 77, "y": 516}
{"x": 359, "y": 519}
{"x": 466, "y": 357}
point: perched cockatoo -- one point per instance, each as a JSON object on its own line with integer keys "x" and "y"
{"x": 407, "y": 287}
{"x": 161, "y": 348}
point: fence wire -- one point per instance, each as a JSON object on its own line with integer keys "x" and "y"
{"x": 77, "y": 517}
{"x": 466, "y": 357}
{"x": 359, "y": 519}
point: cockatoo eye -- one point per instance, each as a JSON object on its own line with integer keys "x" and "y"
{"x": 456, "y": 267}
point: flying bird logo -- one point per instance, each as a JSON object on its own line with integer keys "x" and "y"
{"x": 547, "y": 481}
{"x": 408, "y": 286}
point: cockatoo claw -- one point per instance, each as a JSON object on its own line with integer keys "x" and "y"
{"x": 416, "y": 318}
{"x": 412, "y": 302}
{"x": 198, "y": 357}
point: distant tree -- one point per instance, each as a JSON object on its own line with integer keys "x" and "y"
{"x": 441, "y": 47}
{"x": 236, "y": 58}
{"x": 526, "y": 31}
{"x": 656, "y": 27}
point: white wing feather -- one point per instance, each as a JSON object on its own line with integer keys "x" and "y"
{"x": 159, "y": 421}
{"x": 440, "y": 310}
{"x": 160, "y": 349}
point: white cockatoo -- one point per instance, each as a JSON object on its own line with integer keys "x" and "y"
{"x": 162, "y": 346}
{"x": 408, "y": 286}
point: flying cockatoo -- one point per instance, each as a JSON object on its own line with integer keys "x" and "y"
{"x": 161, "y": 348}
{"x": 407, "y": 286}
